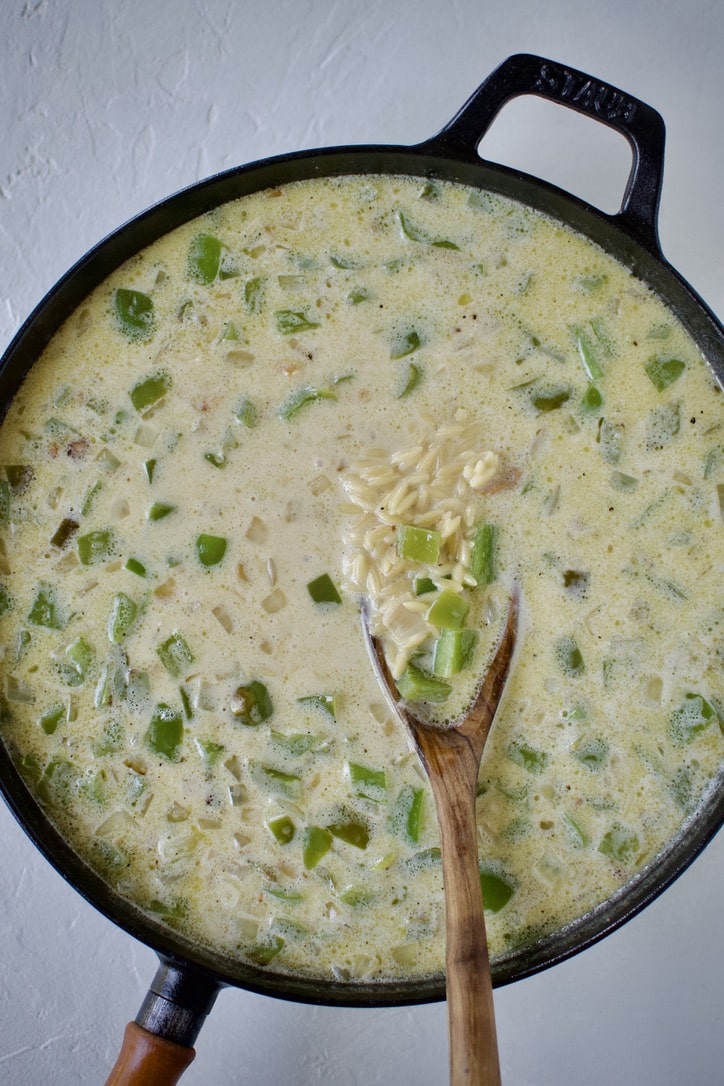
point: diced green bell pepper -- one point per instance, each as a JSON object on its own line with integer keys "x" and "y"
{"x": 96, "y": 546}
{"x": 323, "y": 590}
{"x": 150, "y": 390}
{"x": 123, "y": 614}
{"x": 251, "y": 704}
{"x": 497, "y": 890}
{"x": 175, "y": 655}
{"x": 166, "y": 731}
{"x": 317, "y": 843}
{"x": 210, "y": 549}
{"x": 282, "y": 828}
{"x": 134, "y": 313}
{"x": 415, "y": 685}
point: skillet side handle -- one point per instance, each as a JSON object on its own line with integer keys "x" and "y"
{"x": 158, "y": 1046}
{"x": 148, "y": 1060}
{"x": 639, "y": 123}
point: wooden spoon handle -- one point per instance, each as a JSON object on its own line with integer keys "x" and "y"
{"x": 471, "y": 1016}
{"x": 148, "y": 1060}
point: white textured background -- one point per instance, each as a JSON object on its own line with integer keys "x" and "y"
{"x": 106, "y": 106}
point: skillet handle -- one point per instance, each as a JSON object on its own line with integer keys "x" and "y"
{"x": 640, "y": 124}
{"x": 158, "y": 1046}
{"x": 148, "y": 1060}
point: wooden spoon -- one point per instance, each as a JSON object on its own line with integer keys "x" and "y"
{"x": 451, "y": 757}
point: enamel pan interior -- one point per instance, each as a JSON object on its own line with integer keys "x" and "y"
{"x": 629, "y": 235}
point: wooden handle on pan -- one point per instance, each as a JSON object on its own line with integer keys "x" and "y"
{"x": 148, "y": 1060}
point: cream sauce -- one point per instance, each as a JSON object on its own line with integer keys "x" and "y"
{"x": 307, "y": 841}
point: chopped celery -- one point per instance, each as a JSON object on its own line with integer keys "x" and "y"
{"x": 422, "y": 861}
{"x": 251, "y": 704}
{"x": 592, "y": 344}
{"x": 416, "y": 685}
{"x": 175, "y": 655}
{"x": 291, "y": 321}
{"x": 230, "y": 332}
{"x": 414, "y": 375}
{"x": 453, "y": 652}
{"x": 592, "y": 399}
{"x": 323, "y": 590}
{"x": 448, "y": 611}
{"x": 358, "y": 295}
{"x": 52, "y": 717}
{"x": 326, "y": 702}
{"x": 63, "y": 532}
{"x": 59, "y": 781}
{"x": 575, "y": 831}
{"x": 592, "y": 752}
{"x": 662, "y": 372}
{"x": 209, "y": 751}
{"x": 611, "y": 439}
{"x": 246, "y": 414}
{"x": 367, "y": 783}
{"x": 483, "y": 554}
{"x": 282, "y": 828}
{"x": 253, "y": 294}
{"x": 298, "y": 743}
{"x": 352, "y": 832}
{"x": 526, "y": 756}
{"x": 406, "y": 815}
{"x": 290, "y": 896}
{"x": 317, "y": 843}
{"x": 166, "y": 731}
{"x": 357, "y": 897}
{"x": 90, "y": 497}
{"x": 96, "y": 546}
{"x": 45, "y": 610}
{"x": 210, "y": 549}
{"x": 620, "y": 844}
{"x": 497, "y": 890}
{"x": 304, "y": 396}
{"x": 134, "y": 566}
{"x": 693, "y": 716}
{"x": 77, "y": 663}
{"x": 134, "y": 313}
{"x": 418, "y": 544}
{"x": 405, "y": 344}
{"x": 160, "y": 510}
{"x": 414, "y": 233}
{"x": 150, "y": 390}
{"x": 663, "y": 424}
{"x": 343, "y": 263}
{"x": 122, "y": 616}
{"x": 149, "y": 467}
{"x": 569, "y": 656}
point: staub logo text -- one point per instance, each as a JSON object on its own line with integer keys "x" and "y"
{"x": 587, "y": 94}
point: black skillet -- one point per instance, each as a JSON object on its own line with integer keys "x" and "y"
{"x": 158, "y": 1045}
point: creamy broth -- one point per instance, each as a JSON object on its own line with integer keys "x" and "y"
{"x": 210, "y": 466}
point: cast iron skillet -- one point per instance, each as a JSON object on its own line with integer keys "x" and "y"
{"x": 158, "y": 1046}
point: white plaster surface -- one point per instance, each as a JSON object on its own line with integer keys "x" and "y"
{"x": 108, "y": 105}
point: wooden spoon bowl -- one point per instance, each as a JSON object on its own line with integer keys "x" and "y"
{"x": 451, "y": 757}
